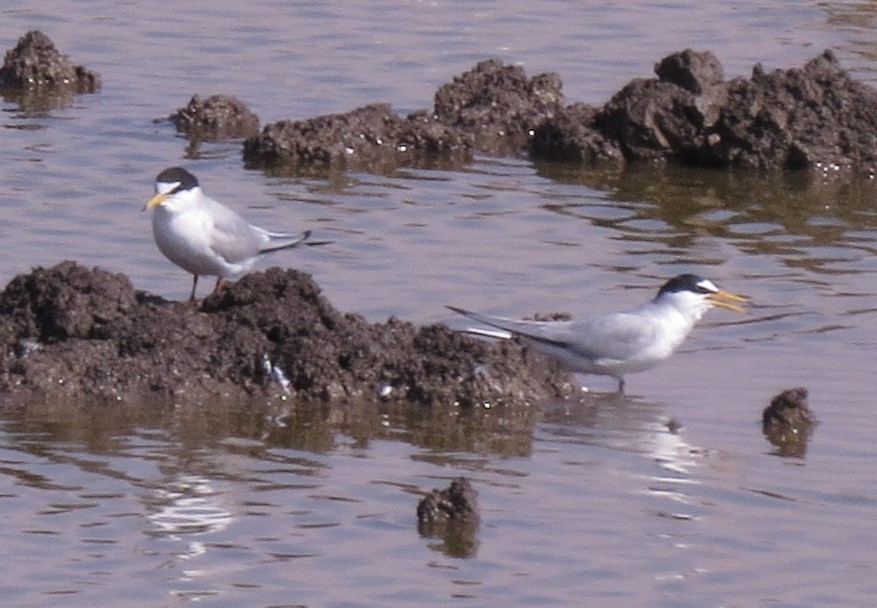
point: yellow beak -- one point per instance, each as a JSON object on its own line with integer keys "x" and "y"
{"x": 726, "y": 299}
{"x": 156, "y": 200}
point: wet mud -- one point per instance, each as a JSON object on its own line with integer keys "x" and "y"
{"x": 813, "y": 117}
{"x": 37, "y": 77}
{"x": 452, "y": 515}
{"x": 788, "y": 422}
{"x": 73, "y": 333}
{"x": 216, "y": 118}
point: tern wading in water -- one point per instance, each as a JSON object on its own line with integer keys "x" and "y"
{"x": 619, "y": 343}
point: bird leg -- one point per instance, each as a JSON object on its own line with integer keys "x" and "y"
{"x": 194, "y": 287}
{"x": 620, "y": 385}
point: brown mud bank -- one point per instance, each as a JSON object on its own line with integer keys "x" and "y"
{"x": 814, "y": 117}
{"x": 86, "y": 335}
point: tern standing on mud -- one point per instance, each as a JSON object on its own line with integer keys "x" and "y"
{"x": 619, "y": 343}
{"x": 205, "y": 237}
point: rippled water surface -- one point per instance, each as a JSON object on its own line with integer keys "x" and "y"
{"x": 597, "y": 502}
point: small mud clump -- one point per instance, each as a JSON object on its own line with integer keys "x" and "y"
{"x": 788, "y": 422}
{"x": 451, "y": 514}
{"x": 35, "y": 62}
{"x": 217, "y": 118}
{"x": 72, "y": 333}
{"x": 458, "y": 502}
{"x": 37, "y": 78}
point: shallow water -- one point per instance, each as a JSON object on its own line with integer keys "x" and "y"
{"x": 596, "y": 501}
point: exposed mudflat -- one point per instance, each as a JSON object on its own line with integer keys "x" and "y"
{"x": 815, "y": 116}
{"x": 812, "y": 117}
{"x": 86, "y": 334}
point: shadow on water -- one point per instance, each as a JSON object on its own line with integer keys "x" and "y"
{"x": 465, "y": 439}
{"x": 781, "y": 214}
{"x": 616, "y": 420}
{"x": 626, "y": 423}
{"x": 198, "y": 472}
{"x": 309, "y": 428}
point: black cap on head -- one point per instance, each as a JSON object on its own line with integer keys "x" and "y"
{"x": 687, "y": 282}
{"x": 177, "y": 175}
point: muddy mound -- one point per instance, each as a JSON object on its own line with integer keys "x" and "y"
{"x": 798, "y": 118}
{"x": 370, "y": 138}
{"x": 809, "y": 117}
{"x": 498, "y": 104}
{"x": 490, "y": 108}
{"x": 38, "y": 77}
{"x": 459, "y": 501}
{"x": 86, "y": 334}
{"x": 217, "y": 118}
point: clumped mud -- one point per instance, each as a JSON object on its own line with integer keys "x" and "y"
{"x": 788, "y": 421}
{"x": 498, "y": 104}
{"x": 451, "y": 514}
{"x": 784, "y": 119}
{"x": 72, "y": 333}
{"x": 36, "y": 76}
{"x": 815, "y": 117}
{"x": 811, "y": 117}
{"x": 217, "y": 118}
{"x": 371, "y": 138}
{"x": 490, "y": 108}
{"x": 459, "y": 501}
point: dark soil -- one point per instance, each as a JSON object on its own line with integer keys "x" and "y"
{"x": 491, "y": 108}
{"x": 217, "y": 118}
{"x": 459, "y": 501}
{"x": 451, "y": 514}
{"x": 72, "y": 333}
{"x": 371, "y": 138}
{"x": 38, "y": 77}
{"x": 788, "y": 422}
{"x": 801, "y": 118}
{"x": 813, "y": 117}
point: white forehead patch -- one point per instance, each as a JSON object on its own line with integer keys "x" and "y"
{"x": 165, "y": 187}
{"x": 707, "y": 285}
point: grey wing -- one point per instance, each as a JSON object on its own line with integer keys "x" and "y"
{"x": 613, "y": 337}
{"x": 510, "y": 325}
{"x": 603, "y": 339}
{"x": 282, "y": 240}
{"x": 232, "y": 236}
{"x": 557, "y": 333}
